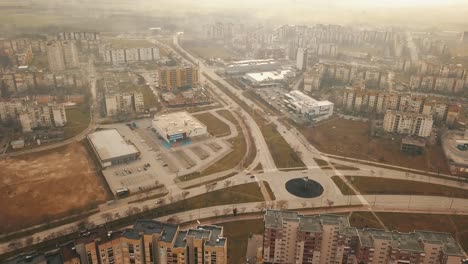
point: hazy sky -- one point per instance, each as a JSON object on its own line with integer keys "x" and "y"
{"x": 443, "y": 14}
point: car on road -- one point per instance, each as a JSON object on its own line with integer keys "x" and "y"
{"x": 252, "y": 177}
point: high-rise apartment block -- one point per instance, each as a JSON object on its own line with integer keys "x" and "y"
{"x": 62, "y": 55}
{"x": 32, "y": 114}
{"x": 148, "y": 242}
{"x": 124, "y": 103}
{"x": 178, "y": 77}
{"x": 408, "y": 123}
{"x": 329, "y": 239}
{"x": 358, "y": 99}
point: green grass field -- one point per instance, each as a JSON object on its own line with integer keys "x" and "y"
{"x": 77, "y": 121}
{"x": 371, "y": 185}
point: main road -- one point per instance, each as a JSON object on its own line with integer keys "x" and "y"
{"x": 262, "y": 148}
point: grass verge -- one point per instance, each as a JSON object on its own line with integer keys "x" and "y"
{"x": 372, "y": 185}
{"x": 77, "y": 121}
{"x": 344, "y": 188}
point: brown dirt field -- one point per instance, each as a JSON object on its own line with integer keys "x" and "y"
{"x": 351, "y": 139}
{"x": 36, "y": 188}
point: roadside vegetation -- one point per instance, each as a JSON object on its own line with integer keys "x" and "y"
{"x": 373, "y": 185}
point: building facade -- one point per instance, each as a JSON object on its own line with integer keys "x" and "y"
{"x": 329, "y": 239}
{"x": 124, "y": 103}
{"x": 62, "y": 55}
{"x": 308, "y": 107}
{"x": 408, "y": 123}
{"x": 171, "y": 78}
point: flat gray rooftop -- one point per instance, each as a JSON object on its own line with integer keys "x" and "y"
{"x": 176, "y": 123}
{"x": 110, "y": 144}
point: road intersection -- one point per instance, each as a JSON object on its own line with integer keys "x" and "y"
{"x": 332, "y": 200}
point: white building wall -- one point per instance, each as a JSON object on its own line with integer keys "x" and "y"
{"x": 132, "y": 55}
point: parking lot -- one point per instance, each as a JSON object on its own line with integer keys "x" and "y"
{"x": 157, "y": 165}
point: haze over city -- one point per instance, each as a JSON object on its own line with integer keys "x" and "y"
{"x": 233, "y": 132}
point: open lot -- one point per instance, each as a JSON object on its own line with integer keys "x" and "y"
{"x": 208, "y": 49}
{"x": 215, "y": 126}
{"x": 349, "y": 138}
{"x": 238, "y": 233}
{"x": 373, "y": 185}
{"x": 37, "y": 188}
{"x": 77, "y": 121}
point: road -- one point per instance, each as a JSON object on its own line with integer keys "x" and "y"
{"x": 331, "y": 198}
{"x": 262, "y": 148}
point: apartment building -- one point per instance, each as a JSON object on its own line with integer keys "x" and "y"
{"x": 218, "y": 30}
{"x": 78, "y": 35}
{"x": 151, "y": 242}
{"x": 116, "y": 103}
{"x": 9, "y": 110}
{"x": 20, "y": 81}
{"x": 358, "y": 99}
{"x": 329, "y": 239}
{"x": 62, "y": 55}
{"x": 42, "y": 116}
{"x": 408, "y": 123}
{"x": 171, "y": 78}
{"x": 346, "y": 74}
{"x": 138, "y": 52}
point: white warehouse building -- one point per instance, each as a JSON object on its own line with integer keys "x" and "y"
{"x": 308, "y": 107}
{"x": 269, "y": 78}
{"x": 178, "y": 127}
{"x": 241, "y": 67}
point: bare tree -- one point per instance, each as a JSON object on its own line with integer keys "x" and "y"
{"x": 304, "y": 204}
{"x": 145, "y": 208}
{"x": 29, "y": 241}
{"x": 171, "y": 198}
{"x": 242, "y": 209}
{"x": 226, "y": 211}
{"x": 185, "y": 194}
{"x": 173, "y": 220}
{"x": 106, "y": 216}
{"x": 227, "y": 183}
{"x": 261, "y": 206}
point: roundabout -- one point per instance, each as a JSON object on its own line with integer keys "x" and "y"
{"x": 304, "y": 188}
